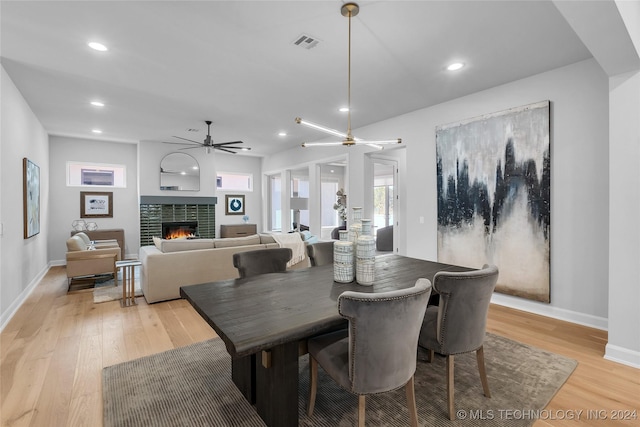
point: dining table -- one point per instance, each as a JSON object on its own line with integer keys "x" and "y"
{"x": 265, "y": 321}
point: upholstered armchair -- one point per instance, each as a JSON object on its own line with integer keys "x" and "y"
{"x": 97, "y": 244}
{"x": 377, "y": 353}
{"x": 262, "y": 261}
{"x": 458, "y": 323}
{"x": 85, "y": 261}
{"x": 320, "y": 253}
{"x": 384, "y": 239}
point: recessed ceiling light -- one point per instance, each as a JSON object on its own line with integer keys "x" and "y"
{"x": 455, "y": 66}
{"x": 96, "y": 131}
{"x": 97, "y": 46}
{"x": 343, "y": 109}
{"x": 97, "y": 103}
{"x": 282, "y": 134}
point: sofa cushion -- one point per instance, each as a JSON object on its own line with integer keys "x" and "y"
{"x": 266, "y": 238}
{"x": 179, "y": 245}
{"x": 75, "y": 243}
{"x": 254, "y": 239}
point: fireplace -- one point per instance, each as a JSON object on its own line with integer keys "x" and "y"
{"x": 179, "y": 229}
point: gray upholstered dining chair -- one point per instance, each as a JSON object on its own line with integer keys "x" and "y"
{"x": 320, "y": 253}
{"x": 458, "y": 323}
{"x": 261, "y": 261}
{"x": 377, "y": 353}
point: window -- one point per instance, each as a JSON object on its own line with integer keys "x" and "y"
{"x": 96, "y": 175}
{"x": 275, "y": 200}
{"x": 234, "y": 181}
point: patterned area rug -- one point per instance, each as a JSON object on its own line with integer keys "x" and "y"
{"x": 192, "y": 386}
{"x": 106, "y": 290}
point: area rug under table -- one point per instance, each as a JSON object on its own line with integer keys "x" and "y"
{"x": 191, "y": 386}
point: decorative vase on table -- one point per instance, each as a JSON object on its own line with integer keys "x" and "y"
{"x": 366, "y": 255}
{"x": 356, "y": 225}
{"x": 355, "y": 228}
{"x": 343, "y": 259}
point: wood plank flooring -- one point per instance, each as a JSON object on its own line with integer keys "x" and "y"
{"x": 52, "y": 354}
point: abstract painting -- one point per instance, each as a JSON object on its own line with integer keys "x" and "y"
{"x": 31, "y": 198}
{"x": 494, "y": 197}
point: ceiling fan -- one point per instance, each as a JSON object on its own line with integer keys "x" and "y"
{"x": 208, "y": 143}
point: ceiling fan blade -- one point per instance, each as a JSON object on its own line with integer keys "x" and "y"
{"x": 189, "y": 148}
{"x": 224, "y": 149}
{"x": 190, "y": 140}
{"x": 176, "y": 143}
{"x": 228, "y": 143}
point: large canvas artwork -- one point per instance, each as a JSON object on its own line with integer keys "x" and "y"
{"x": 31, "y": 197}
{"x": 494, "y": 197}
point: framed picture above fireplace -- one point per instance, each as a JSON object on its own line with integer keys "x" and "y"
{"x": 234, "y": 204}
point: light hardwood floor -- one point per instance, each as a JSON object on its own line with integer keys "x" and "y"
{"x": 52, "y": 354}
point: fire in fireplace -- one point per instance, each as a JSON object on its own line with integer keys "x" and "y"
{"x": 179, "y": 229}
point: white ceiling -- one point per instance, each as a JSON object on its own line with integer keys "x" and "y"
{"x": 171, "y": 65}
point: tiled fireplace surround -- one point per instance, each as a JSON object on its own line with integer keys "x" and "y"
{"x": 154, "y": 210}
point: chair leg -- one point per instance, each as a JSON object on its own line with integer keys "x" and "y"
{"x": 430, "y": 355}
{"x": 313, "y": 384}
{"x": 361, "y": 407}
{"x": 411, "y": 402}
{"x": 483, "y": 371}
{"x": 450, "y": 405}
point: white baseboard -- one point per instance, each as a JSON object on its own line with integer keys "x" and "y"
{"x": 550, "y": 311}
{"x": 13, "y": 308}
{"x": 622, "y": 355}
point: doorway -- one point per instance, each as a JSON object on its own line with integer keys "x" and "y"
{"x": 385, "y": 177}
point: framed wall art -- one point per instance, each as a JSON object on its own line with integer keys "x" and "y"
{"x": 494, "y": 197}
{"x": 234, "y": 204}
{"x": 31, "y": 197}
{"x": 96, "y": 204}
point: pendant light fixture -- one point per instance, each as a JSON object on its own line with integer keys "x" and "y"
{"x": 348, "y": 10}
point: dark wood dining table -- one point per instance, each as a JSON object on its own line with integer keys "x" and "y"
{"x": 265, "y": 321}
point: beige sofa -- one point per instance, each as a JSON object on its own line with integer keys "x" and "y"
{"x": 170, "y": 264}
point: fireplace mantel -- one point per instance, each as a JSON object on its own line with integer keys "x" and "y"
{"x": 177, "y": 200}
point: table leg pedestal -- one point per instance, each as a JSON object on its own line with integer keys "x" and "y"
{"x": 277, "y": 385}
{"x": 243, "y": 374}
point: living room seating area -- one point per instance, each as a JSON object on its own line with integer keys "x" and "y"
{"x": 170, "y": 264}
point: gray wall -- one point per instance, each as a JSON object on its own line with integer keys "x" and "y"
{"x": 579, "y": 145}
{"x": 23, "y": 262}
{"x": 66, "y": 200}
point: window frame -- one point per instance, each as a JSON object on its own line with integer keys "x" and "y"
{"x": 249, "y": 176}
{"x": 75, "y": 170}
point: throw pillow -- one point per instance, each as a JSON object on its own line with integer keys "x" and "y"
{"x": 179, "y": 245}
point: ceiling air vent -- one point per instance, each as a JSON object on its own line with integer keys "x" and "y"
{"x": 193, "y": 130}
{"x": 306, "y": 41}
